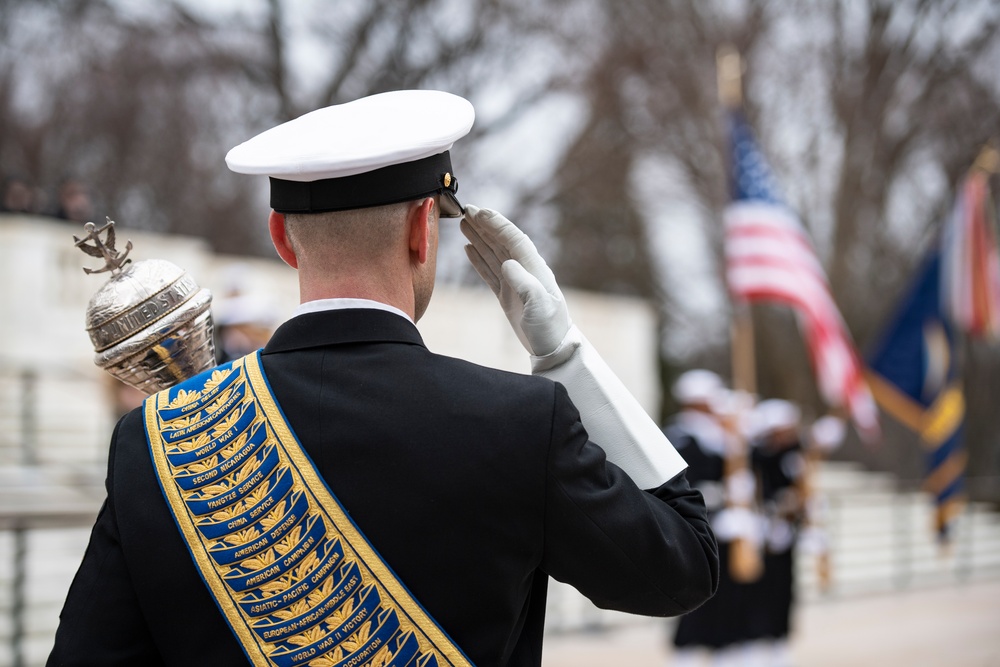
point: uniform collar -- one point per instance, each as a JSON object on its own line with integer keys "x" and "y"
{"x": 338, "y": 326}
{"x": 320, "y": 305}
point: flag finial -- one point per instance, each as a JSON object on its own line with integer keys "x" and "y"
{"x": 988, "y": 159}
{"x": 729, "y": 74}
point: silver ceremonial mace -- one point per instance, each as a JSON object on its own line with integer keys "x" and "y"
{"x": 150, "y": 323}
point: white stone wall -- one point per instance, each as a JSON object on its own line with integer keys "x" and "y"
{"x": 47, "y": 377}
{"x": 46, "y": 293}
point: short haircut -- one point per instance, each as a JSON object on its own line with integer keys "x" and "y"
{"x": 361, "y": 233}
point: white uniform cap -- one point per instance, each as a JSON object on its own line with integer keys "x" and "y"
{"x": 775, "y": 414}
{"x": 697, "y": 386}
{"x": 245, "y": 309}
{"x": 828, "y": 432}
{"x": 383, "y": 149}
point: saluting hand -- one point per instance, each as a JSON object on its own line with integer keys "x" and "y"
{"x": 510, "y": 264}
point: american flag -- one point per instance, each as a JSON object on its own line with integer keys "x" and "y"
{"x": 971, "y": 268}
{"x": 769, "y": 257}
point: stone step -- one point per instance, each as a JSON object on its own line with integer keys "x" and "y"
{"x": 881, "y": 541}
{"x": 841, "y": 477}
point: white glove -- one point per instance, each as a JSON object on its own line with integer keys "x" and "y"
{"x": 506, "y": 259}
{"x": 738, "y": 522}
{"x": 508, "y": 262}
{"x": 741, "y": 487}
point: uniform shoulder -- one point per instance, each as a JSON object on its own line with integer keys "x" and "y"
{"x": 497, "y": 381}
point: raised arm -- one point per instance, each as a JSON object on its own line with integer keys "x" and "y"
{"x": 509, "y": 263}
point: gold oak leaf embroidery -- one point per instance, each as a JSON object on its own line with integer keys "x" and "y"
{"x": 255, "y": 497}
{"x": 192, "y": 443}
{"x": 285, "y": 545}
{"x": 226, "y": 423}
{"x": 295, "y": 609}
{"x": 342, "y": 613}
{"x": 324, "y": 661}
{"x": 358, "y": 639}
{"x": 248, "y": 468}
{"x": 261, "y": 561}
{"x": 236, "y": 446}
{"x": 184, "y": 397}
{"x": 219, "y": 402}
{"x": 211, "y": 491}
{"x": 226, "y": 514}
{"x": 226, "y": 484}
{"x": 331, "y": 658}
{"x": 308, "y": 637}
{"x": 216, "y": 379}
{"x": 241, "y": 537}
{"x": 274, "y": 517}
{"x": 307, "y": 565}
{"x": 382, "y": 658}
{"x": 203, "y": 465}
{"x": 183, "y": 422}
{"x": 277, "y": 586}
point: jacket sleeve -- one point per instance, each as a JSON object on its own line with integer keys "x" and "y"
{"x": 643, "y": 552}
{"x": 101, "y": 622}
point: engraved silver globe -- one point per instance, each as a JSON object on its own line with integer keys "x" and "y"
{"x": 150, "y": 323}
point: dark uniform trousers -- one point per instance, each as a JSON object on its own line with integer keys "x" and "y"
{"x": 474, "y": 484}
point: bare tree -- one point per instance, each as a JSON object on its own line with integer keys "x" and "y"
{"x": 136, "y": 108}
{"x": 910, "y": 90}
{"x": 868, "y": 111}
{"x": 143, "y": 104}
{"x": 650, "y": 91}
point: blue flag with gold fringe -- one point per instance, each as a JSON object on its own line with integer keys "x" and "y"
{"x": 915, "y": 377}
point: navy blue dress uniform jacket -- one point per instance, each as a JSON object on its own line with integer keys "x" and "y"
{"x": 474, "y": 484}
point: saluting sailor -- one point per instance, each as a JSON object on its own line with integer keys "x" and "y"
{"x": 719, "y": 627}
{"x": 347, "y": 497}
{"x": 780, "y": 465}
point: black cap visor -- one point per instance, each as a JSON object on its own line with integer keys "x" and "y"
{"x": 388, "y": 185}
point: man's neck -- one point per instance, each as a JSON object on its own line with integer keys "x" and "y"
{"x": 370, "y": 288}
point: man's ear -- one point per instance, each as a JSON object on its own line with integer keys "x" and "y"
{"x": 276, "y": 225}
{"x": 420, "y": 229}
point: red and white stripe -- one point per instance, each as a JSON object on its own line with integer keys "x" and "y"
{"x": 971, "y": 264}
{"x": 769, "y": 258}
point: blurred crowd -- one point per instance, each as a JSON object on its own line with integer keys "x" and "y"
{"x": 754, "y": 462}
{"x": 70, "y": 201}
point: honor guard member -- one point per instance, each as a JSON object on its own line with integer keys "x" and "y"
{"x": 779, "y": 463}
{"x": 719, "y": 627}
{"x": 347, "y": 497}
{"x": 697, "y": 434}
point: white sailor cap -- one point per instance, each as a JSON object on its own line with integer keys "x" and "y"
{"x": 828, "y": 432}
{"x": 697, "y": 386}
{"x": 383, "y": 149}
{"x": 775, "y": 414}
{"x": 245, "y": 309}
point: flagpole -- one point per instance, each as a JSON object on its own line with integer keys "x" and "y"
{"x": 729, "y": 77}
{"x": 988, "y": 159}
{"x": 746, "y": 563}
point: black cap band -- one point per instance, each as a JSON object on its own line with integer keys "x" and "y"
{"x": 387, "y": 185}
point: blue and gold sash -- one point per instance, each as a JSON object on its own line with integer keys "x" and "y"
{"x": 295, "y": 578}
